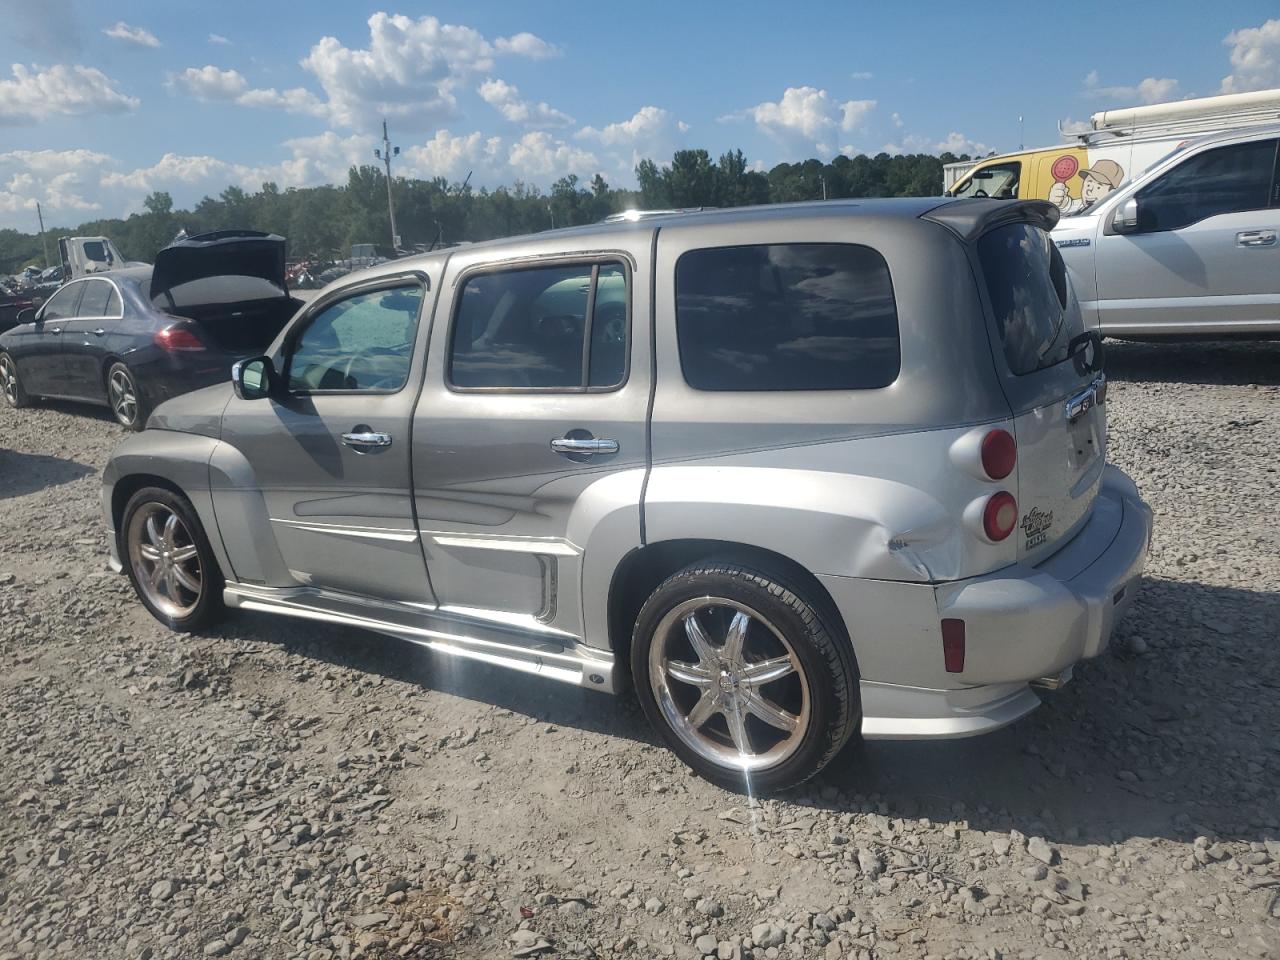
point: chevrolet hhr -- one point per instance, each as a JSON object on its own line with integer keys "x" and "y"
{"x": 797, "y": 474}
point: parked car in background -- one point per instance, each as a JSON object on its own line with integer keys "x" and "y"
{"x": 134, "y": 337}
{"x": 1120, "y": 145}
{"x": 1190, "y": 248}
{"x": 13, "y": 303}
{"x": 801, "y": 472}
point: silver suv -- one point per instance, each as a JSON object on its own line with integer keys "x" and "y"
{"x": 799, "y": 473}
{"x": 1190, "y": 248}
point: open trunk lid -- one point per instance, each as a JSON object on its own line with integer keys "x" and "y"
{"x": 1050, "y": 368}
{"x": 217, "y": 267}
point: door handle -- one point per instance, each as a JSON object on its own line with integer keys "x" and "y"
{"x": 366, "y": 438}
{"x": 55, "y": 330}
{"x": 1256, "y": 238}
{"x": 583, "y": 446}
{"x": 99, "y": 332}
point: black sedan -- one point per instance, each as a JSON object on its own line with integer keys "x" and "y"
{"x": 134, "y": 337}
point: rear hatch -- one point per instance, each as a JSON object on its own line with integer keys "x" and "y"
{"x": 1050, "y": 369}
{"x": 232, "y": 283}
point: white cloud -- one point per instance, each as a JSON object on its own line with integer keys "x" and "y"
{"x": 445, "y": 155}
{"x": 34, "y": 93}
{"x": 1149, "y": 90}
{"x": 218, "y": 38}
{"x": 1255, "y": 58}
{"x": 537, "y": 155}
{"x": 527, "y": 45}
{"x": 855, "y": 111}
{"x": 409, "y": 72}
{"x": 958, "y": 143}
{"x": 505, "y": 98}
{"x": 652, "y": 132}
{"x": 1070, "y": 127}
{"x": 58, "y": 179}
{"x": 129, "y": 34}
{"x": 211, "y": 84}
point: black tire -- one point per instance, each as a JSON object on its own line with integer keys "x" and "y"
{"x": 206, "y": 607}
{"x": 829, "y": 671}
{"x": 121, "y": 385}
{"x": 11, "y": 384}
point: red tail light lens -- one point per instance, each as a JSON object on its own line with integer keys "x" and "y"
{"x": 953, "y": 645}
{"x": 999, "y": 454}
{"x": 1000, "y": 516}
{"x": 178, "y": 339}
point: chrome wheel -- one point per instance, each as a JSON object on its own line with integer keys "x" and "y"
{"x": 165, "y": 561}
{"x": 9, "y": 381}
{"x": 729, "y": 684}
{"x": 123, "y": 396}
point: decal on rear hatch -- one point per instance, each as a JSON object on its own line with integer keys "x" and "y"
{"x": 1036, "y": 524}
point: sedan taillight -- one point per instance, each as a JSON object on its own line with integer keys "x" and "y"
{"x": 178, "y": 339}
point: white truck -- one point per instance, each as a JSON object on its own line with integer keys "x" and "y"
{"x": 82, "y": 256}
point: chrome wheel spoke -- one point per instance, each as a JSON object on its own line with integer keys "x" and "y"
{"x": 153, "y": 532}
{"x": 149, "y": 552}
{"x": 170, "y": 527}
{"x": 736, "y": 638}
{"x": 698, "y": 639}
{"x": 155, "y": 576}
{"x": 691, "y": 673}
{"x": 769, "y": 712}
{"x": 767, "y": 671}
{"x": 171, "y": 584}
{"x": 184, "y": 577}
{"x": 704, "y": 709}
{"x": 737, "y": 720}
{"x": 183, "y": 554}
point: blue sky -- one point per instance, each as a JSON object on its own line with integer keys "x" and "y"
{"x": 100, "y": 104}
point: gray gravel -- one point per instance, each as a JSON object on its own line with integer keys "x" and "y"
{"x": 282, "y": 789}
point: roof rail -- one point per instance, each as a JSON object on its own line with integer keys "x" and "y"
{"x": 627, "y": 216}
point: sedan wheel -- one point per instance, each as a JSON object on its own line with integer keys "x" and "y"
{"x": 122, "y": 394}
{"x": 10, "y": 385}
{"x": 165, "y": 560}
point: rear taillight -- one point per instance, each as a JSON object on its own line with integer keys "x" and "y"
{"x": 999, "y": 454}
{"x": 953, "y": 645}
{"x": 999, "y": 516}
{"x": 178, "y": 339}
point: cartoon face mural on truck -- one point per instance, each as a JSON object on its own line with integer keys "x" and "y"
{"x": 1096, "y": 181}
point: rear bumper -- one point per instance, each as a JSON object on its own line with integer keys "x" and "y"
{"x": 1024, "y": 626}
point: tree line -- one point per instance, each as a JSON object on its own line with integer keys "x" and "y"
{"x": 323, "y": 222}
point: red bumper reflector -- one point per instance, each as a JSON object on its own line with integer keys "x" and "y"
{"x": 953, "y": 645}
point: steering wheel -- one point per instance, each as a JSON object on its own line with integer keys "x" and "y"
{"x": 980, "y": 193}
{"x": 349, "y": 383}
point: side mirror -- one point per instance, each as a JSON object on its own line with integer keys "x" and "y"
{"x": 26, "y": 315}
{"x": 253, "y": 379}
{"x": 1126, "y": 217}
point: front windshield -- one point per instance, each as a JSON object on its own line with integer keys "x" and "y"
{"x": 999, "y": 181}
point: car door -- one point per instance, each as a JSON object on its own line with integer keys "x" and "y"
{"x": 84, "y": 339}
{"x": 40, "y": 358}
{"x": 330, "y": 450}
{"x": 530, "y": 436}
{"x": 1205, "y": 256}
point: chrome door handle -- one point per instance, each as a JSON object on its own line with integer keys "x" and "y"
{"x": 99, "y": 332}
{"x": 583, "y": 446}
{"x": 367, "y": 439}
{"x": 1256, "y": 238}
{"x": 56, "y": 330}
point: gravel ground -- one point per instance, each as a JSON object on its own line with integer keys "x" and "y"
{"x": 280, "y": 789}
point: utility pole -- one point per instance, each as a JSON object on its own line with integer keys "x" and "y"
{"x": 822, "y": 178}
{"x": 385, "y": 155}
{"x": 44, "y": 241}
{"x": 1020, "y": 139}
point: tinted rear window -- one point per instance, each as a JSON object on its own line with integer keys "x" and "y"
{"x": 1027, "y": 283}
{"x": 812, "y": 316}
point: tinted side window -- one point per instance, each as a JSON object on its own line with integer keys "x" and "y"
{"x": 364, "y": 342}
{"x": 1225, "y": 180}
{"x": 563, "y": 327}
{"x": 96, "y": 298}
{"x": 1027, "y": 283}
{"x": 62, "y": 305}
{"x": 809, "y": 316}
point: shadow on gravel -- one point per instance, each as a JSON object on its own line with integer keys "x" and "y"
{"x": 1214, "y": 362}
{"x": 1173, "y": 742}
{"x": 72, "y": 408}
{"x": 23, "y": 473}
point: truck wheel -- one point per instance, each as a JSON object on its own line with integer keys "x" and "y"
{"x": 126, "y": 401}
{"x": 743, "y": 678}
{"x": 168, "y": 559}
{"x": 10, "y": 385}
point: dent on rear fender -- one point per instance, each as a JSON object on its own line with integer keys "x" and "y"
{"x": 831, "y": 523}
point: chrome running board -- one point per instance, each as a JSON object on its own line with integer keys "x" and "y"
{"x": 544, "y": 652}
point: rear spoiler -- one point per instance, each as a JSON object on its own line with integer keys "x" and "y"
{"x": 970, "y": 218}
